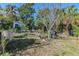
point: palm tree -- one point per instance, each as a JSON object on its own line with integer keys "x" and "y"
{"x": 69, "y": 14}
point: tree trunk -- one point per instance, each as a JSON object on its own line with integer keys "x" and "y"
{"x": 49, "y": 35}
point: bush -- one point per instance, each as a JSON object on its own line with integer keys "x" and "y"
{"x": 76, "y": 30}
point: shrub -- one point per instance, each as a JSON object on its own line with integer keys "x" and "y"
{"x": 76, "y": 30}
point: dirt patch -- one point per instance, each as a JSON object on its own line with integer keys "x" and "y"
{"x": 55, "y": 48}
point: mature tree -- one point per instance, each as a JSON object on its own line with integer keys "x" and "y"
{"x": 26, "y": 12}
{"x": 69, "y": 16}
{"x": 50, "y": 17}
{"x": 12, "y": 15}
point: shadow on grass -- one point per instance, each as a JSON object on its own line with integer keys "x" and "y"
{"x": 20, "y": 44}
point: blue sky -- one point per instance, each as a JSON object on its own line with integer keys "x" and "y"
{"x": 41, "y": 5}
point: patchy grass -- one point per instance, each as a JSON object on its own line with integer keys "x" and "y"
{"x": 36, "y": 47}
{"x": 55, "y": 48}
{"x": 65, "y": 47}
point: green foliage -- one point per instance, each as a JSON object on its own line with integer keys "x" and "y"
{"x": 76, "y": 30}
{"x": 26, "y": 9}
{"x": 10, "y": 14}
{"x": 39, "y": 24}
{"x": 6, "y": 54}
{"x": 26, "y": 12}
{"x": 42, "y": 18}
{"x": 17, "y": 28}
{"x": 7, "y": 25}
